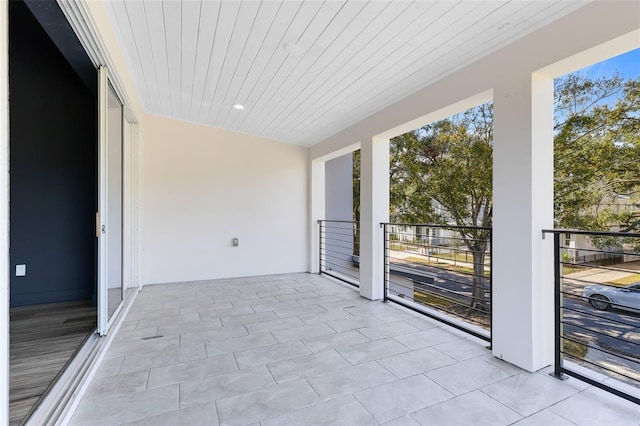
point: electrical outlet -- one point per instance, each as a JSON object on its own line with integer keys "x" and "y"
{"x": 235, "y": 242}
{"x": 21, "y": 270}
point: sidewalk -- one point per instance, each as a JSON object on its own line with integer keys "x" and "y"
{"x": 601, "y": 275}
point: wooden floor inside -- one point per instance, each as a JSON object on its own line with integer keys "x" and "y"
{"x": 43, "y": 340}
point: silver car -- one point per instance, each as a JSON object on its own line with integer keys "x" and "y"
{"x": 603, "y": 297}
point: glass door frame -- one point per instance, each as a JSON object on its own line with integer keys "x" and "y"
{"x": 105, "y": 87}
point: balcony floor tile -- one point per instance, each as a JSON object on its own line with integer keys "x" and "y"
{"x": 401, "y": 397}
{"x": 302, "y": 349}
{"x": 266, "y": 403}
{"x": 527, "y": 393}
{"x": 471, "y": 408}
{"x": 224, "y": 386}
{"x": 415, "y": 362}
{"x": 344, "y": 411}
{"x": 307, "y": 365}
{"x": 544, "y": 417}
{"x": 597, "y": 407}
{"x": 349, "y": 380}
{"x": 465, "y": 376}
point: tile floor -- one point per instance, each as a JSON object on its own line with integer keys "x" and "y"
{"x": 301, "y": 349}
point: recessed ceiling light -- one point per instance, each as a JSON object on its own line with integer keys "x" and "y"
{"x": 239, "y": 107}
{"x": 291, "y": 48}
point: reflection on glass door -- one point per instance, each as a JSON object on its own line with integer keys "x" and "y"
{"x": 114, "y": 203}
{"x": 110, "y": 216}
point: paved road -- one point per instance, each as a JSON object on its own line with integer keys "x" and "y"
{"x": 614, "y": 335}
{"x": 454, "y": 285}
{"x": 612, "y": 331}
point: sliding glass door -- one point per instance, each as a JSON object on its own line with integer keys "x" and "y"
{"x": 110, "y": 217}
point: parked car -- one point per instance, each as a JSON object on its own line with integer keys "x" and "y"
{"x": 603, "y": 297}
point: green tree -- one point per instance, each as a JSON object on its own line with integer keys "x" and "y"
{"x": 442, "y": 173}
{"x": 596, "y": 152}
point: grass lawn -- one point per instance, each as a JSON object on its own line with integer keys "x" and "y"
{"x": 570, "y": 269}
{"x": 633, "y": 278}
{"x": 402, "y": 246}
{"x": 452, "y": 308}
{"x": 575, "y": 349}
{"x": 431, "y": 300}
{"x": 461, "y": 257}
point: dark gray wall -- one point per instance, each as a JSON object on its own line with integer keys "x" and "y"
{"x": 53, "y": 164}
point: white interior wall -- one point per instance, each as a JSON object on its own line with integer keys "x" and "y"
{"x": 203, "y": 186}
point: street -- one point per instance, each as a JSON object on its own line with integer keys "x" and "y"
{"x": 612, "y": 336}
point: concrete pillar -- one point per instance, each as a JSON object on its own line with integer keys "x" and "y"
{"x": 374, "y": 209}
{"x": 339, "y": 188}
{"x": 317, "y": 210}
{"x": 523, "y": 206}
{"x": 339, "y": 249}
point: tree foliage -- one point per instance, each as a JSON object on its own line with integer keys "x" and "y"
{"x": 441, "y": 173}
{"x": 596, "y": 152}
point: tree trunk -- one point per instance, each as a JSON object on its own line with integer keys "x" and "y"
{"x": 356, "y": 239}
{"x": 478, "y": 299}
{"x": 356, "y": 232}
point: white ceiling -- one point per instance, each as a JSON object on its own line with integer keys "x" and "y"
{"x": 194, "y": 60}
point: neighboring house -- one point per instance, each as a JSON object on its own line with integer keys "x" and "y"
{"x": 581, "y": 249}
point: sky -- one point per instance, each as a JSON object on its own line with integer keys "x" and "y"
{"x": 628, "y": 64}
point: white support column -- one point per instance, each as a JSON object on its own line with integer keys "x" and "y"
{"x": 374, "y": 209}
{"x": 339, "y": 206}
{"x": 4, "y": 214}
{"x": 523, "y": 206}
{"x": 317, "y": 211}
{"x": 339, "y": 188}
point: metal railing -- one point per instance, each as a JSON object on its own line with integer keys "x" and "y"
{"x": 597, "y": 310}
{"x": 445, "y": 269}
{"x": 340, "y": 250}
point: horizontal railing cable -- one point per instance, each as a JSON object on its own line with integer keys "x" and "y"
{"x": 592, "y": 325}
{"x": 431, "y": 266}
{"x": 339, "y": 250}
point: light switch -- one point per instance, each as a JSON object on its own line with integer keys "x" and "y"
{"x": 21, "y": 270}
{"x": 236, "y": 242}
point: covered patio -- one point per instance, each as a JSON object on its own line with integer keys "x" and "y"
{"x": 236, "y": 121}
{"x": 299, "y": 349}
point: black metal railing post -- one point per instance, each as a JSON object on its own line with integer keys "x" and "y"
{"x": 490, "y": 288}
{"x": 320, "y": 247}
{"x": 557, "y": 289}
{"x": 385, "y": 262}
{"x": 581, "y": 330}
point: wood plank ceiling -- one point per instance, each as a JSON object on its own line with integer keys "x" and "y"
{"x": 305, "y": 70}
